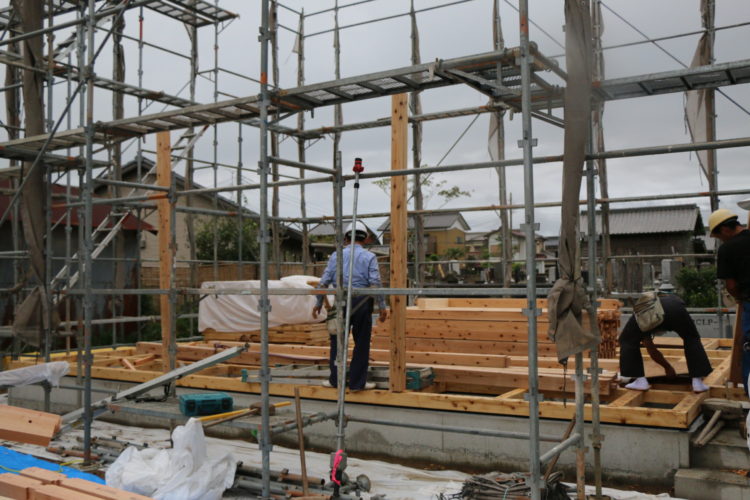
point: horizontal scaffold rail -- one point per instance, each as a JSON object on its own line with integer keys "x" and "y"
{"x": 406, "y": 79}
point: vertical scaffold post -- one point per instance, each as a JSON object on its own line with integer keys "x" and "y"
{"x": 529, "y": 229}
{"x": 265, "y": 304}
{"x": 596, "y": 437}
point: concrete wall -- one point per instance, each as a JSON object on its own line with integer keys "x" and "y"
{"x": 632, "y": 455}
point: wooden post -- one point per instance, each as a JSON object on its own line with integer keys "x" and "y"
{"x": 164, "y": 178}
{"x": 398, "y": 271}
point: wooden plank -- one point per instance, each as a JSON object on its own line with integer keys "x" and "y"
{"x": 656, "y": 417}
{"x": 467, "y": 346}
{"x": 398, "y": 247}
{"x": 630, "y": 398}
{"x": 441, "y": 303}
{"x": 166, "y": 249}
{"x": 465, "y": 329}
{"x": 27, "y": 426}
{"x": 549, "y": 379}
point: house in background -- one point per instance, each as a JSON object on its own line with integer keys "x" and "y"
{"x": 442, "y": 231}
{"x": 323, "y": 241}
{"x": 657, "y": 233}
{"x": 518, "y": 249}
{"x": 291, "y": 239}
{"x": 65, "y": 243}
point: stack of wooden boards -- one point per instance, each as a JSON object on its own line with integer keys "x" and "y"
{"x": 308, "y": 334}
{"x": 34, "y": 483}
{"x": 28, "y": 426}
{"x": 484, "y": 326}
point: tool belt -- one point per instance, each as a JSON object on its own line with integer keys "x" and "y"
{"x": 648, "y": 311}
{"x": 334, "y": 321}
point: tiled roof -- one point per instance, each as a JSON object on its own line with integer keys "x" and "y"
{"x": 650, "y": 220}
{"x": 433, "y": 221}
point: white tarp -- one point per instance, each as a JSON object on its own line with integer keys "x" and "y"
{"x": 51, "y": 372}
{"x": 183, "y": 472}
{"x": 240, "y": 313}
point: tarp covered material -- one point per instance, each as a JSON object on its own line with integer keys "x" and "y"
{"x": 696, "y": 107}
{"x": 568, "y": 296}
{"x": 183, "y": 472}
{"x": 14, "y": 461}
{"x": 51, "y": 372}
{"x": 240, "y": 313}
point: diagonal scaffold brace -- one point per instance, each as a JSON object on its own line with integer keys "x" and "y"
{"x": 100, "y": 407}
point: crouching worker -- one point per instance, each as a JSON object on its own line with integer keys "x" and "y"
{"x": 675, "y": 318}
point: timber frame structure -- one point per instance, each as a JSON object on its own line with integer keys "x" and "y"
{"x": 519, "y": 79}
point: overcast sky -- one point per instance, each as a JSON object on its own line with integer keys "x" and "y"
{"x": 453, "y": 31}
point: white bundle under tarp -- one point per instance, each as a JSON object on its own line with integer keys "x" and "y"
{"x": 50, "y": 372}
{"x": 241, "y": 313}
{"x": 183, "y": 472}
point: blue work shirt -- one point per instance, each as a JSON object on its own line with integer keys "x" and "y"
{"x": 366, "y": 272}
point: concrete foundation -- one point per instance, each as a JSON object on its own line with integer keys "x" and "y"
{"x": 707, "y": 484}
{"x": 630, "y": 455}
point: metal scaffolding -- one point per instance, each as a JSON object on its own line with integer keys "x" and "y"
{"x": 88, "y": 156}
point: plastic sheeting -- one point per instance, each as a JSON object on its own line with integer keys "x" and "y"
{"x": 183, "y": 472}
{"x": 51, "y": 372}
{"x": 240, "y": 313}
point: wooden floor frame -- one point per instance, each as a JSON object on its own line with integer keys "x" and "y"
{"x": 666, "y": 406}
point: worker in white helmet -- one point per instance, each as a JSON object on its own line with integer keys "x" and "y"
{"x": 733, "y": 266}
{"x": 365, "y": 273}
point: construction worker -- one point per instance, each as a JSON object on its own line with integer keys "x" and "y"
{"x": 733, "y": 266}
{"x": 676, "y": 319}
{"x": 365, "y": 273}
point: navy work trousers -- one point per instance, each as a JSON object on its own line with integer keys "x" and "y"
{"x": 361, "y": 328}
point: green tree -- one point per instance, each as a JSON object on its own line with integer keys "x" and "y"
{"x": 430, "y": 187}
{"x": 697, "y": 287}
{"x": 227, "y": 235}
{"x": 454, "y": 253}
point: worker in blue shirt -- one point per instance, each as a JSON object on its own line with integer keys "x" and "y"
{"x": 365, "y": 274}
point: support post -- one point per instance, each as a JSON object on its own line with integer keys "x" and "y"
{"x": 166, "y": 257}
{"x": 398, "y": 270}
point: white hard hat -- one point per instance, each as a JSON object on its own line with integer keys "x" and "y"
{"x": 744, "y": 204}
{"x": 359, "y": 228}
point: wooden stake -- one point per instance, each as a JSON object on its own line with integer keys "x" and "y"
{"x": 398, "y": 271}
{"x": 301, "y": 439}
{"x": 164, "y": 178}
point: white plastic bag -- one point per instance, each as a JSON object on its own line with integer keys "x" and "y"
{"x": 181, "y": 473}
{"x": 51, "y": 372}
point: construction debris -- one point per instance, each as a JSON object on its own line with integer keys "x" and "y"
{"x": 515, "y": 486}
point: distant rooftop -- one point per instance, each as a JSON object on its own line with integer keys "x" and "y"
{"x": 650, "y": 220}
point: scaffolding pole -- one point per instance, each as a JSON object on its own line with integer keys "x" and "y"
{"x": 529, "y": 228}
{"x": 264, "y": 303}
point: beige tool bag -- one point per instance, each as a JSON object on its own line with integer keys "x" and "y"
{"x": 649, "y": 313}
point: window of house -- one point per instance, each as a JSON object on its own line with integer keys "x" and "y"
{"x": 459, "y": 239}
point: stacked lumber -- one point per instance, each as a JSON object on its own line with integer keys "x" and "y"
{"x": 497, "y": 326}
{"x": 307, "y": 333}
{"x": 28, "y": 426}
{"x": 41, "y": 484}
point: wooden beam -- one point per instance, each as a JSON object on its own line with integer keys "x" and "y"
{"x": 679, "y": 418}
{"x": 166, "y": 249}
{"x": 399, "y": 228}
